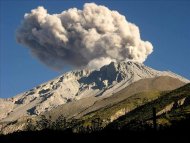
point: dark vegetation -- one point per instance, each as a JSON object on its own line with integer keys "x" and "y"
{"x": 178, "y": 132}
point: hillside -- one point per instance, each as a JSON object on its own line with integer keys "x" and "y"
{"x": 85, "y": 111}
{"x": 80, "y": 84}
{"x": 93, "y": 104}
{"x": 173, "y": 118}
{"x": 171, "y": 108}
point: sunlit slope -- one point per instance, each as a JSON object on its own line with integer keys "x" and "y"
{"x": 96, "y": 85}
{"x": 91, "y": 104}
{"x": 128, "y": 104}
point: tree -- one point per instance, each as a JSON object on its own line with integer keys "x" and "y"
{"x": 61, "y": 122}
{"x": 43, "y": 123}
{"x": 97, "y": 124}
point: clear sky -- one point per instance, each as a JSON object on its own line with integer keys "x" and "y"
{"x": 166, "y": 24}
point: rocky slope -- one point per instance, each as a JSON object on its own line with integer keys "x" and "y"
{"x": 77, "y": 93}
{"x": 76, "y": 85}
{"x": 125, "y": 112}
{"x": 79, "y": 108}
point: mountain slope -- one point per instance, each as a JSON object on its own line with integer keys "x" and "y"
{"x": 107, "y": 109}
{"x": 84, "y": 106}
{"x": 173, "y": 106}
{"x": 76, "y": 85}
{"x": 76, "y": 95}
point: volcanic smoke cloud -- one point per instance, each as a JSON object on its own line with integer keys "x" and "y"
{"x": 91, "y": 37}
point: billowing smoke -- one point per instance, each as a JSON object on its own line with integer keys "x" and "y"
{"x": 91, "y": 37}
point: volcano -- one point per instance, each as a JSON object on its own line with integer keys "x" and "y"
{"x": 76, "y": 94}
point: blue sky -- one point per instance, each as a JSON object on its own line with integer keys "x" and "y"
{"x": 166, "y": 24}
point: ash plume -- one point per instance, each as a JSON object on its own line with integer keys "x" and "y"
{"x": 91, "y": 37}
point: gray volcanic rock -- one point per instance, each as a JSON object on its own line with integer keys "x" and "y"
{"x": 77, "y": 85}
